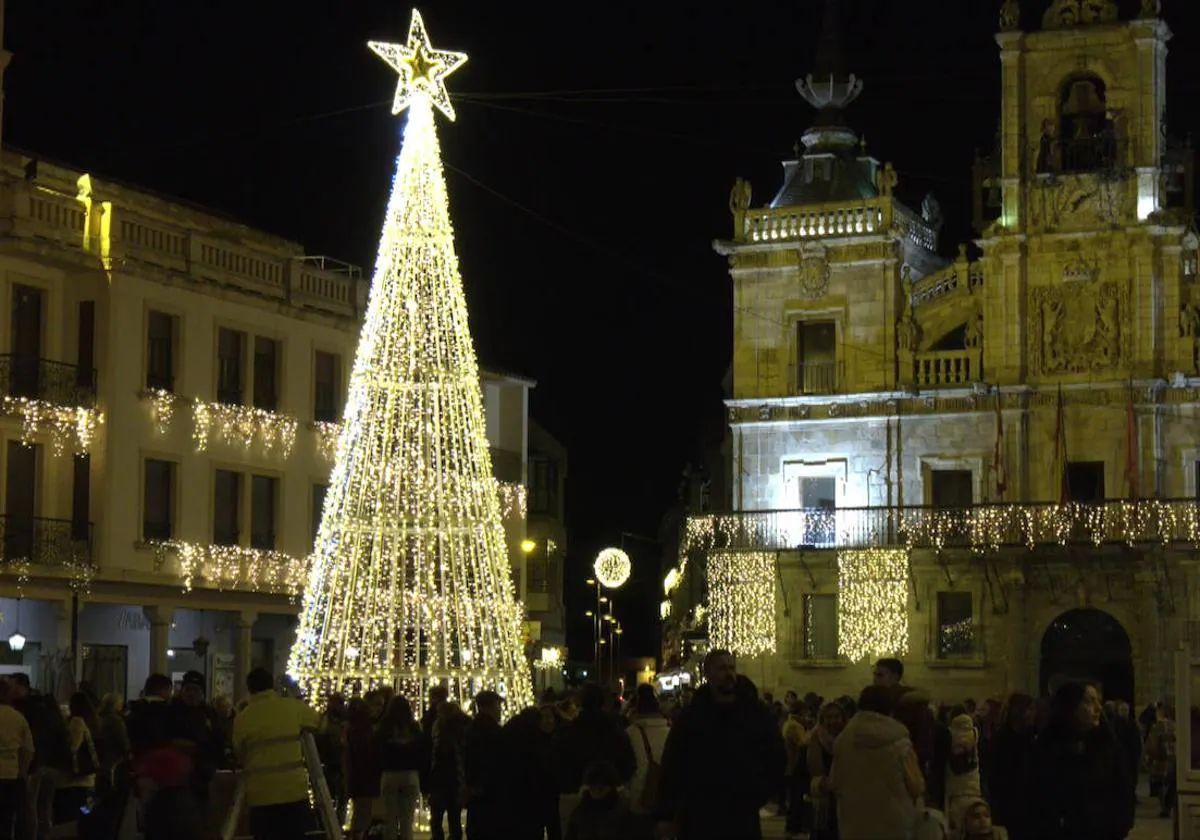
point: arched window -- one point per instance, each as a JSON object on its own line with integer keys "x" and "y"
{"x": 1087, "y": 135}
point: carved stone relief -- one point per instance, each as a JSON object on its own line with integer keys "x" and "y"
{"x": 814, "y": 272}
{"x": 1080, "y": 202}
{"x": 1077, "y": 327}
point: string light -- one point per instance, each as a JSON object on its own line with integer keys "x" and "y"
{"x": 162, "y": 408}
{"x": 69, "y": 427}
{"x": 664, "y": 610}
{"x": 234, "y": 567}
{"x": 551, "y": 659}
{"x": 327, "y": 437}
{"x": 672, "y": 580}
{"x": 872, "y": 603}
{"x": 410, "y": 566}
{"x": 242, "y": 424}
{"x": 741, "y": 602}
{"x": 513, "y": 502}
{"x": 612, "y": 567}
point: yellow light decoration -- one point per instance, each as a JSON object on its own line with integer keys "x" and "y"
{"x": 423, "y": 70}
{"x": 872, "y": 603}
{"x": 242, "y": 424}
{"x": 664, "y": 610}
{"x": 327, "y": 437}
{"x": 551, "y": 659}
{"x": 162, "y": 408}
{"x": 69, "y": 427}
{"x": 234, "y": 567}
{"x": 741, "y": 602}
{"x": 512, "y": 500}
{"x": 671, "y": 580}
{"x": 410, "y": 566}
{"x": 612, "y": 567}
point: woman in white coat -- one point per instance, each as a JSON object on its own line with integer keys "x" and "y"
{"x": 647, "y": 733}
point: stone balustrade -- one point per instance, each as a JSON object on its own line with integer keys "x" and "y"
{"x": 959, "y": 277}
{"x": 781, "y": 224}
{"x": 942, "y": 368}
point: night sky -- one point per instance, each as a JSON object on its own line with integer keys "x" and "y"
{"x": 589, "y": 171}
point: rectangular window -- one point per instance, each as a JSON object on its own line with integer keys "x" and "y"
{"x": 160, "y": 352}
{"x": 318, "y": 507}
{"x": 81, "y": 495}
{"x": 20, "y": 498}
{"x": 816, "y": 357}
{"x": 951, "y": 488}
{"x": 85, "y": 355}
{"x": 264, "y": 491}
{"x": 543, "y": 486}
{"x": 226, "y": 507}
{"x": 327, "y": 387}
{"x": 26, "y": 341}
{"x": 956, "y": 625}
{"x": 230, "y": 363}
{"x": 820, "y": 627}
{"x": 266, "y": 373}
{"x": 158, "y": 500}
{"x": 1085, "y": 481}
{"x": 818, "y": 498}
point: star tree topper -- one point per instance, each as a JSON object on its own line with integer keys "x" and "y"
{"x": 422, "y": 69}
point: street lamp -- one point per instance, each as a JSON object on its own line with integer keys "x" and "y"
{"x": 16, "y": 641}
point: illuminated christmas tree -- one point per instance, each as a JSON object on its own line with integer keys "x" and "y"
{"x": 409, "y": 584}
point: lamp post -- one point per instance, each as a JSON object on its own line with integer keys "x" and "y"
{"x": 612, "y": 568}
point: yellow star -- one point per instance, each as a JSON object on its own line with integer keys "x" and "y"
{"x": 423, "y": 70}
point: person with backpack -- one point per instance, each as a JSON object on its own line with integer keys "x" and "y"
{"x": 647, "y": 733}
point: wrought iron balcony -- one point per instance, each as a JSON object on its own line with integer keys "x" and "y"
{"x": 978, "y": 527}
{"x": 41, "y": 379}
{"x": 45, "y": 542}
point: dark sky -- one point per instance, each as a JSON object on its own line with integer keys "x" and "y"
{"x": 584, "y": 221}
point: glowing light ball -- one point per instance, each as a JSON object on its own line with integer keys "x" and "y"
{"x": 612, "y": 567}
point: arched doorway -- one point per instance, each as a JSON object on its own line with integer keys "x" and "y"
{"x": 1088, "y": 644}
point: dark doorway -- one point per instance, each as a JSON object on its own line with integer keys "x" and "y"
{"x": 1088, "y": 645}
{"x": 26, "y": 341}
{"x": 20, "y": 493}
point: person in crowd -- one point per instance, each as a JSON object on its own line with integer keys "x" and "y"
{"x": 76, "y": 791}
{"x": 331, "y": 743}
{"x": 604, "y": 812}
{"x": 977, "y": 823}
{"x": 722, "y": 761}
{"x": 1146, "y": 720}
{"x": 266, "y": 742}
{"x": 1011, "y": 753}
{"x": 438, "y": 694}
{"x": 363, "y": 771}
{"x": 403, "y": 760}
{"x": 1078, "y": 782}
{"x": 830, "y": 723}
{"x": 647, "y": 732}
{"x": 112, "y": 741}
{"x": 796, "y": 732}
{"x": 446, "y": 786}
{"x": 888, "y": 673}
{"x": 592, "y": 736}
{"x": 51, "y": 762}
{"x": 195, "y": 728}
{"x": 530, "y": 785}
{"x": 162, "y": 770}
{"x": 377, "y": 703}
{"x": 962, "y": 782}
{"x": 1160, "y": 756}
{"x": 485, "y": 766}
{"x": 1130, "y": 739}
{"x": 16, "y": 755}
{"x": 875, "y": 777}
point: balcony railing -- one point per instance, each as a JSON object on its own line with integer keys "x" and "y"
{"x": 41, "y": 379}
{"x": 817, "y": 378}
{"x": 978, "y": 527}
{"x": 45, "y": 542}
{"x": 941, "y": 368}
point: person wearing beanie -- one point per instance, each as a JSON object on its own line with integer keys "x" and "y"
{"x": 603, "y": 812}
{"x": 977, "y": 822}
{"x": 962, "y": 768}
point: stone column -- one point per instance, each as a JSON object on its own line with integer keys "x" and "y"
{"x": 243, "y": 625}
{"x": 160, "y": 619}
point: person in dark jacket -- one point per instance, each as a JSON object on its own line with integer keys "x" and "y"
{"x": 486, "y": 767}
{"x": 1012, "y": 751}
{"x": 1127, "y": 732}
{"x": 362, "y": 767}
{"x": 162, "y": 769}
{"x": 531, "y": 791}
{"x": 604, "y": 812}
{"x": 195, "y": 728}
{"x": 446, "y": 786}
{"x": 592, "y": 736}
{"x": 1079, "y": 780}
{"x": 722, "y": 761}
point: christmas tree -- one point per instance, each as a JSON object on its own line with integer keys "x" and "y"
{"x": 409, "y": 584}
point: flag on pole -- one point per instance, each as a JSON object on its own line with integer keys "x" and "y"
{"x": 1060, "y": 450}
{"x": 1132, "y": 461}
{"x": 999, "y": 469}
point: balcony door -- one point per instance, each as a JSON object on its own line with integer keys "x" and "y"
{"x": 26, "y": 340}
{"x": 20, "y": 497}
{"x": 816, "y": 357}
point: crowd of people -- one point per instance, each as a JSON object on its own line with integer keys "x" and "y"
{"x": 586, "y": 765}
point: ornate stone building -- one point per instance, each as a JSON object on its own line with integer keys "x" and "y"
{"x": 987, "y": 465}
